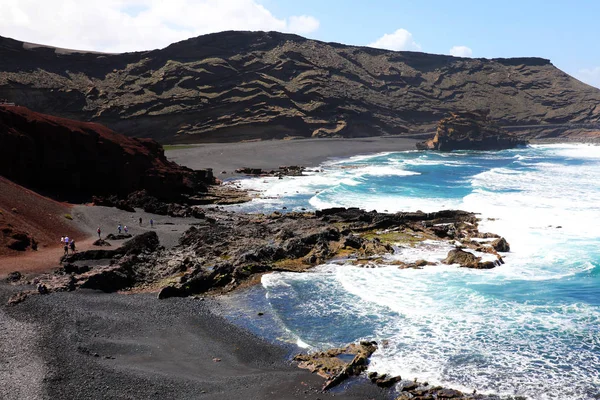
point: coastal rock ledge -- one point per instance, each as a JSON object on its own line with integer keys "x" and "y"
{"x": 339, "y": 364}
{"x": 470, "y": 131}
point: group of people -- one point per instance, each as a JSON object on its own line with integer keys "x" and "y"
{"x": 151, "y": 222}
{"x": 68, "y": 243}
{"x": 124, "y": 228}
{"x": 120, "y": 228}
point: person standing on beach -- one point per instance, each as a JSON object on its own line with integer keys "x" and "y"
{"x": 99, "y": 231}
{"x": 72, "y": 245}
{"x": 62, "y": 240}
{"x": 119, "y": 228}
{"x": 151, "y": 223}
{"x": 66, "y": 249}
{"x": 66, "y": 240}
{"x": 140, "y": 221}
{"x": 125, "y": 229}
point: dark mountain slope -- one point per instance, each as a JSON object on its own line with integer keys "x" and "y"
{"x": 245, "y": 85}
{"x": 72, "y": 159}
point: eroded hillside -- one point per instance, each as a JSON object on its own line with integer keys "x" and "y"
{"x": 246, "y": 85}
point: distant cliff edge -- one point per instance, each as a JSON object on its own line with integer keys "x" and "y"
{"x": 233, "y": 86}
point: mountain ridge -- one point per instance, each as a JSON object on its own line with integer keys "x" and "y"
{"x": 235, "y": 85}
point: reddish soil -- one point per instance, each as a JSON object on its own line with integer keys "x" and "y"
{"x": 41, "y": 218}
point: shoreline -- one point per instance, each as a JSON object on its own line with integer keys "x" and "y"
{"x": 150, "y": 354}
{"x": 274, "y": 153}
{"x": 225, "y": 158}
{"x": 92, "y": 344}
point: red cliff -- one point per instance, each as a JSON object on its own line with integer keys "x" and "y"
{"x": 72, "y": 159}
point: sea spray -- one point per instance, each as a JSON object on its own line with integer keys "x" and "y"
{"x": 529, "y": 327}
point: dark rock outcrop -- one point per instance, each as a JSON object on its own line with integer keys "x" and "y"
{"x": 145, "y": 242}
{"x": 334, "y": 367}
{"x": 467, "y": 260}
{"x": 232, "y": 86}
{"x": 470, "y": 131}
{"x": 120, "y": 236}
{"x": 331, "y": 365}
{"x": 501, "y": 245}
{"x": 79, "y": 159}
{"x": 14, "y": 276}
{"x": 16, "y": 239}
{"x": 226, "y": 249}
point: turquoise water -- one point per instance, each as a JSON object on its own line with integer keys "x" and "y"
{"x": 530, "y": 327}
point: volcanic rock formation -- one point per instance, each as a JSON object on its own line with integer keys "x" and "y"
{"x": 470, "y": 131}
{"x": 232, "y": 86}
{"x": 69, "y": 158}
{"x": 225, "y": 249}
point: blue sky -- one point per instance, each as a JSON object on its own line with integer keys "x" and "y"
{"x": 567, "y": 33}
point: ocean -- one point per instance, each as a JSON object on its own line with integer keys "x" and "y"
{"x": 530, "y": 327}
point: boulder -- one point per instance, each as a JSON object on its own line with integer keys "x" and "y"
{"x": 249, "y": 171}
{"x": 101, "y": 243}
{"x": 468, "y": 260}
{"x": 107, "y": 279}
{"x": 470, "y": 131}
{"x": 120, "y": 236}
{"x": 146, "y": 242}
{"x": 501, "y": 245}
{"x": 387, "y": 381}
{"x": 170, "y": 291}
{"x": 353, "y": 241}
{"x": 332, "y": 366}
{"x": 449, "y": 394}
{"x": 16, "y": 239}
{"x": 14, "y": 276}
{"x": 464, "y": 258}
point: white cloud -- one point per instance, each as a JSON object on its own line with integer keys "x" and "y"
{"x": 399, "y": 40}
{"x": 111, "y": 25}
{"x": 591, "y": 76}
{"x": 461, "y": 51}
{"x": 303, "y": 24}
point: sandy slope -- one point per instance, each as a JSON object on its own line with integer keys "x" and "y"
{"x": 40, "y": 217}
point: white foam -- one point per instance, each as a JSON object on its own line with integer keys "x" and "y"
{"x": 464, "y": 328}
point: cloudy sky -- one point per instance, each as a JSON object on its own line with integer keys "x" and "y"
{"x": 565, "y": 32}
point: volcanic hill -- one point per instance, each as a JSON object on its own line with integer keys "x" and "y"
{"x": 75, "y": 160}
{"x": 234, "y": 86}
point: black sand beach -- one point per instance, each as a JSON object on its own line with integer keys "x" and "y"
{"x": 93, "y": 345}
{"x": 89, "y": 344}
{"x": 273, "y": 153}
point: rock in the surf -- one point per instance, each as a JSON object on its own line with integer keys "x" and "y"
{"x": 501, "y": 245}
{"x": 470, "y": 131}
{"x": 467, "y": 260}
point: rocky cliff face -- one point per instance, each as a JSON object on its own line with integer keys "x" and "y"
{"x": 70, "y": 158}
{"x": 246, "y": 85}
{"x": 470, "y": 131}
